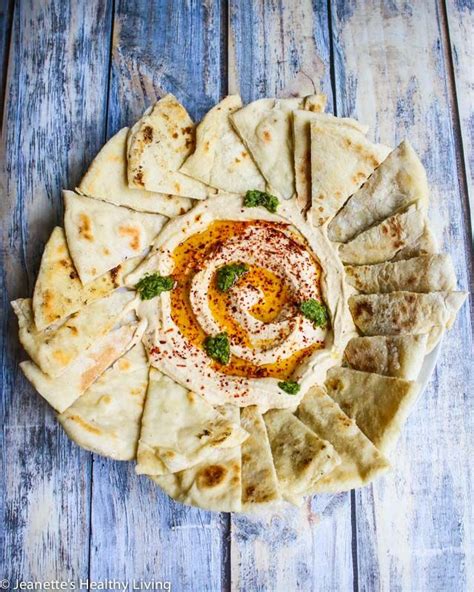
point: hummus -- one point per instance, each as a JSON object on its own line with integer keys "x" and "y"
{"x": 287, "y": 263}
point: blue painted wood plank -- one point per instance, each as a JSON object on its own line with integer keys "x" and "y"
{"x": 6, "y": 18}
{"x": 414, "y": 527}
{"x": 137, "y": 531}
{"x": 280, "y": 49}
{"x": 53, "y": 123}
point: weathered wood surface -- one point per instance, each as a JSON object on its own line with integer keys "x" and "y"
{"x": 78, "y": 71}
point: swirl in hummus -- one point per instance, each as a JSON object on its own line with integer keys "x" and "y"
{"x": 286, "y": 263}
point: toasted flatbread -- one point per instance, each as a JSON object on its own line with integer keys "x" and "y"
{"x": 400, "y": 356}
{"x": 302, "y": 136}
{"x": 157, "y": 146}
{"x": 106, "y": 179}
{"x": 106, "y": 418}
{"x": 214, "y": 484}
{"x": 101, "y": 236}
{"x": 259, "y": 479}
{"x": 180, "y": 429}
{"x": 426, "y": 244}
{"x": 265, "y": 127}
{"x": 361, "y": 462}
{"x": 397, "y": 313}
{"x": 384, "y": 241}
{"x": 58, "y": 290}
{"x": 379, "y": 404}
{"x": 300, "y": 457}
{"x": 427, "y": 273}
{"x": 58, "y": 346}
{"x": 220, "y": 158}
{"x": 396, "y": 184}
{"x": 61, "y": 392}
{"x": 341, "y": 160}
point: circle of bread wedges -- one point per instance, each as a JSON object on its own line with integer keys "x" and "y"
{"x": 277, "y": 180}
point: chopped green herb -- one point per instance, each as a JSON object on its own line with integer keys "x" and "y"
{"x": 218, "y": 348}
{"x": 315, "y": 311}
{"x": 255, "y": 198}
{"x": 289, "y": 386}
{"x": 228, "y": 275}
{"x": 152, "y": 285}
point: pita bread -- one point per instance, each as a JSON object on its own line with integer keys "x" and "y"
{"x": 426, "y": 244}
{"x": 61, "y": 392}
{"x": 265, "y": 128}
{"x": 302, "y": 134}
{"x": 101, "y": 236}
{"x": 315, "y": 103}
{"x": 397, "y": 183}
{"x": 400, "y": 356}
{"x": 106, "y": 179}
{"x": 384, "y": 241}
{"x": 405, "y": 312}
{"x": 361, "y": 462}
{"x": 259, "y": 479}
{"x": 214, "y": 484}
{"x": 58, "y": 290}
{"x": 58, "y": 346}
{"x": 300, "y": 457}
{"x": 157, "y": 146}
{"x": 106, "y": 419}
{"x": 180, "y": 429}
{"x": 428, "y": 273}
{"x": 341, "y": 160}
{"x": 220, "y": 158}
{"x": 379, "y": 404}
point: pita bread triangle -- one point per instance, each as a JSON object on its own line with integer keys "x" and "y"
{"x": 378, "y": 404}
{"x": 397, "y": 183}
{"x": 427, "y": 273}
{"x": 215, "y": 483}
{"x": 106, "y": 179}
{"x": 101, "y": 236}
{"x": 220, "y": 159}
{"x": 302, "y": 135}
{"x": 106, "y": 418}
{"x": 341, "y": 161}
{"x": 180, "y": 429}
{"x": 259, "y": 479}
{"x": 361, "y": 461}
{"x": 58, "y": 346}
{"x": 62, "y": 391}
{"x": 400, "y": 356}
{"x": 265, "y": 127}
{"x": 157, "y": 146}
{"x": 58, "y": 290}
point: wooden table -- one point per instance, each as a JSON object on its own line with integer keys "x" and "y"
{"x": 78, "y": 70}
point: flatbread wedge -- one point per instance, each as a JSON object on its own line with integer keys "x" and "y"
{"x": 361, "y": 461}
{"x": 427, "y": 273}
{"x": 302, "y": 136}
{"x": 259, "y": 479}
{"x": 214, "y": 484}
{"x": 157, "y": 146}
{"x": 61, "y": 392}
{"x": 220, "y": 158}
{"x": 180, "y": 429}
{"x": 58, "y": 346}
{"x": 426, "y": 244}
{"x": 106, "y": 418}
{"x": 384, "y": 241}
{"x": 396, "y": 184}
{"x": 379, "y": 404}
{"x": 400, "y": 356}
{"x": 106, "y": 179}
{"x": 300, "y": 457}
{"x": 101, "y": 236}
{"x": 58, "y": 290}
{"x": 342, "y": 158}
{"x": 399, "y": 313}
